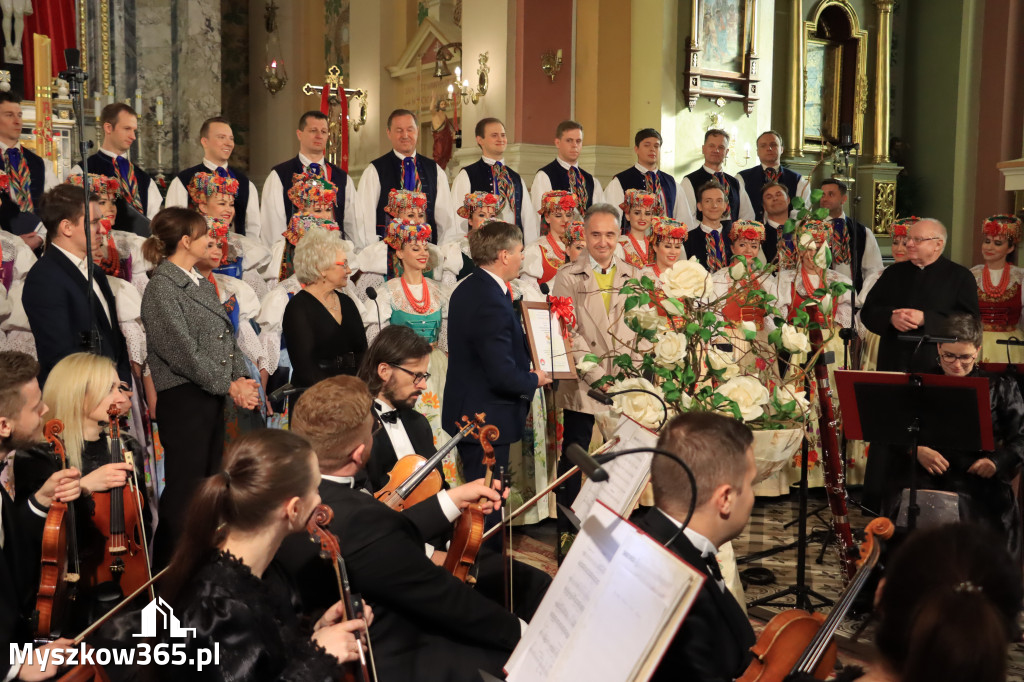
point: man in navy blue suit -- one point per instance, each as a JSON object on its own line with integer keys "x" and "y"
{"x": 56, "y": 295}
{"x": 488, "y": 361}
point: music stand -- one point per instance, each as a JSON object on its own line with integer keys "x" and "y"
{"x": 944, "y": 412}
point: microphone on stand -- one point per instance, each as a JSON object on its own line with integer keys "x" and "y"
{"x": 587, "y": 464}
{"x": 284, "y": 392}
{"x": 546, "y": 290}
{"x": 606, "y": 399}
{"x": 371, "y": 294}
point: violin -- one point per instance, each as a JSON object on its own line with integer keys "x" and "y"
{"x": 415, "y": 478}
{"x": 117, "y": 515}
{"x": 469, "y": 528}
{"x": 796, "y": 642}
{"x": 352, "y": 606}
{"x": 59, "y": 569}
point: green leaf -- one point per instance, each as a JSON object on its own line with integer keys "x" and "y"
{"x": 820, "y": 213}
{"x": 749, "y": 334}
{"x": 647, "y": 282}
{"x": 675, "y": 303}
{"x": 631, "y": 302}
{"x": 708, "y": 318}
{"x": 590, "y": 357}
{"x": 798, "y": 202}
{"x": 705, "y": 334}
{"x": 692, "y": 328}
{"x": 790, "y": 226}
{"x": 624, "y": 361}
{"x": 815, "y": 195}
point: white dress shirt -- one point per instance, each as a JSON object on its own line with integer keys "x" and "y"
{"x": 396, "y": 431}
{"x": 542, "y": 185}
{"x": 272, "y": 212}
{"x": 177, "y": 195}
{"x": 369, "y": 195}
{"x": 79, "y": 264}
{"x": 153, "y": 197}
{"x": 192, "y": 274}
{"x": 703, "y": 545}
{"x": 531, "y": 219}
{"x": 687, "y": 205}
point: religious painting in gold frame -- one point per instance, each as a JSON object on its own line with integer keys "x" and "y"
{"x": 721, "y": 59}
{"x": 821, "y": 104}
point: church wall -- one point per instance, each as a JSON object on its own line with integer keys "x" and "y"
{"x": 235, "y": 86}
{"x": 540, "y": 104}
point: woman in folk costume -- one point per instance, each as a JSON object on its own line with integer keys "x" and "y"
{"x": 793, "y": 289}
{"x": 1000, "y": 289}
{"x": 543, "y": 258}
{"x": 741, "y": 282}
{"x": 639, "y": 208}
{"x": 314, "y": 197}
{"x": 214, "y": 197}
{"x": 478, "y": 208}
{"x": 16, "y": 259}
{"x": 666, "y": 245}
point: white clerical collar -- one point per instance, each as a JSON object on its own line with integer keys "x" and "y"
{"x": 305, "y": 160}
{"x": 347, "y": 481}
{"x": 712, "y": 171}
{"x": 708, "y": 229}
{"x": 214, "y": 166}
{"x": 565, "y": 164}
{"x": 501, "y": 283}
{"x": 644, "y": 169}
{"x": 401, "y": 156}
{"x": 596, "y": 267}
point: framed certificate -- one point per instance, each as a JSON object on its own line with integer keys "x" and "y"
{"x": 547, "y": 345}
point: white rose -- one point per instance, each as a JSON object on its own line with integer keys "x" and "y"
{"x": 646, "y": 315}
{"x": 748, "y": 326}
{"x": 738, "y": 270}
{"x": 794, "y": 340}
{"x": 806, "y": 240}
{"x": 822, "y": 257}
{"x": 670, "y": 349}
{"x": 787, "y": 393}
{"x": 748, "y": 394}
{"x": 642, "y": 407}
{"x": 826, "y": 304}
{"x": 686, "y": 279}
{"x": 584, "y": 366}
{"x": 719, "y": 359}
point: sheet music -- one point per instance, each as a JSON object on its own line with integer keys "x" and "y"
{"x": 627, "y": 475}
{"x": 546, "y": 326}
{"x": 615, "y": 579}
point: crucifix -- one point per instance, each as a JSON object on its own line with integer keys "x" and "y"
{"x": 330, "y": 97}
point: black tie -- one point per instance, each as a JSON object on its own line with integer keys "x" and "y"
{"x": 712, "y": 562}
{"x": 391, "y": 416}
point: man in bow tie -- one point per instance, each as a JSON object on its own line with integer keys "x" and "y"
{"x": 277, "y": 208}
{"x": 140, "y": 197}
{"x": 849, "y": 237}
{"x": 714, "y": 641}
{"x": 218, "y": 141}
{"x": 29, "y": 177}
{"x": 715, "y": 151}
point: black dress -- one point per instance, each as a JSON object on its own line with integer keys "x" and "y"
{"x": 318, "y": 346}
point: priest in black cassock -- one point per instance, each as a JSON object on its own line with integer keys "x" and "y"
{"x": 916, "y": 297}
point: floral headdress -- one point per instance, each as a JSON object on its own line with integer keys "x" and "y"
{"x": 301, "y": 223}
{"x": 5, "y": 181}
{"x": 667, "y": 228}
{"x": 205, "y": 185}
{"x": 401, "y": 231}
{"x": 475, "y": 200}
{"x": 218, "y": 229}
{"x": 557, "y": 199}
{"x": 746, "y": 229}
{"x": 573, "y": 232}
{"x": 900, "y": 226}
{"x": 309, "y": 190}
{"x": 98, "y": 184}
{"x": 812, "y": 234}
{"x": 401, "y": 200}
{"x": 641, "y": 198}
{"x": 1007, "y": 226}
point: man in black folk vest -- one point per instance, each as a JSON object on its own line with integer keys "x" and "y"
{"x": 218, "y": 142}
{"x": 644, "y": 175}
{"x": 564, "y": 172}
{"x": 490, "y": 174}
{"x": 849, "y": 237}
{"x": 140, "y": 197}
{"x": 715, "y": 149}
{"x": 28, "y": 174}
{"x": 769, "y": 151}
{"x": 404, "y": 168}
{"x": 277, "y": 209}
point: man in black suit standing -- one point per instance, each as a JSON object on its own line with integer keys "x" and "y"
{"x": 427, "y": 624}
{"x": 488, "y": 362}
{"x": 21, "y": 522}
{"x": 395, "y": 370}
{"x": 713, "y": 643}
{"x": 62, "y": 312}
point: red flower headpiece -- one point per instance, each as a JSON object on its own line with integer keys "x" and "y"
{"x": 309, "y": 191}
{"x": 402, "y": 200}
{"x": 475, "y": 200}
{"x": 746, "y": 229}
{"x": 557, "y": 199}
{"x": 301, "y": 223}
{"x": 900, "y": 226}
{"x": 573, "y": 232}
{"x": 98, "y": 184}
{"x": 667, "y": 228}
{"x": 402, "y": 231}
{"x": 205, "y": 185}
{"x": 1007, "y": 226}
{"x": 643, "y": 199}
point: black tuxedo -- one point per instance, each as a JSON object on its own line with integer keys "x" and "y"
{"x": 713, "y": 643}
{"x": 19, "y": 564}
{"x": 383, "y": 456}
{"x": 56, "y": 298}
{"x": 426, "y": 623}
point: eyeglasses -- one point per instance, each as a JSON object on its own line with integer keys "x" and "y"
{"x": 417, "y": 377}
{"x": 918, "y": 240}
{"x": 953, "y": 357}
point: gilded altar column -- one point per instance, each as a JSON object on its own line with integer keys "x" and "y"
{"x": 795, "y": 120}
{"x": 883, "y": 40}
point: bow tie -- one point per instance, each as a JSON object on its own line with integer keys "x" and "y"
{"x": 390, "y": 417}
{"x": 713, "y": 567}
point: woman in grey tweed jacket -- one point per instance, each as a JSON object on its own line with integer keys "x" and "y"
{"x": 195, "y": 362}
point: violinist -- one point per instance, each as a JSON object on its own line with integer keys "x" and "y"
{"x": 217, "y": 580}
{"x": 713, "y": 642}
{"x": 428, "y": 624}
{"x": 21, "y": 523}
{"x": 79, "y": 391}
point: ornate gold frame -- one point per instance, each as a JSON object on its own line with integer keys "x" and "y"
{"x": 741, "y": 85}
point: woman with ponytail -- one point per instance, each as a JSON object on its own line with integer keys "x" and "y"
{"x": 267, "y": 490}
{"x": 195, "y": 363}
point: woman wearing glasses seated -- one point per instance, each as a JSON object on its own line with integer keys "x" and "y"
{"x": 982, "y": 479}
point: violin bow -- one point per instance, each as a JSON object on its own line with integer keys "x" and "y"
{"x": 106, "y": 616}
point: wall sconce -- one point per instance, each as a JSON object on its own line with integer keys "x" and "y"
{"x": 274, "y": 74}
{"x": 551, "y": 63}
{"x": 467, "y": 93}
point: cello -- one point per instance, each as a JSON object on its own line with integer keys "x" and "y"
{"x": 330, "y": 549}
{"x": 797, "y": 642}
{"x": 117, "y": 515}
{"x": 469, "y": 528}
{"x": 59, "y": 568}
